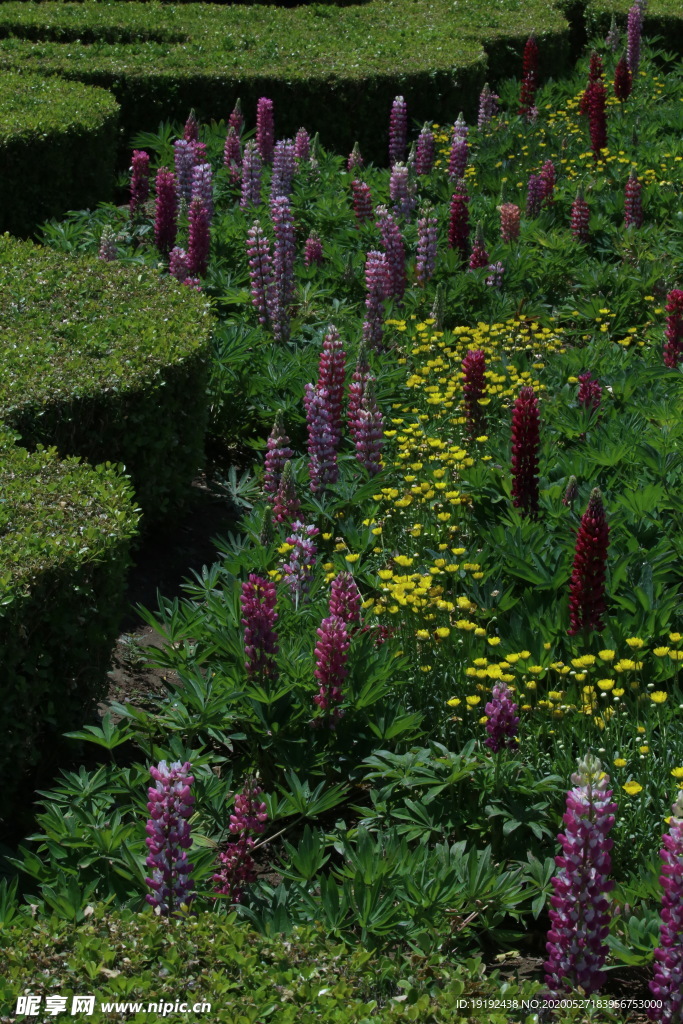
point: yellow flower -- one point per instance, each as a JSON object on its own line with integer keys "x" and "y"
{"x": 512, "y": 658}
{"x": 644, "y": 749}
{"x": 676, "y": 655}
{"x": 494, "y": 641}
{"x": 473, "y": 700}
{"x": 531, "y": 684}
{"x": 606, "y": 655}
{"x": 619, "y": 762}
{"x": 422, "y": 634}
{"x": 624, "y": 665}
{"x": 525, "y": 654}
{"x": 632, "y": 787}
{"x": 351, "y": 558}
{"x": 606, "y": 684}
{"x": 659, "y": 697}
{"x": 661, "y": 652}
{"x": 677, "y": 773}
{"x": 640, "y": 729}
{"x": 674, "y": 637}
{"x": 453, "y": 702}
{"x": 635, "y": 642}
{"x": 442, "y": 632}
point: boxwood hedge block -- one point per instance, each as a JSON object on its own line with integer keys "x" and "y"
{"x": 58, "y": 143}
{"x": 107, "y": 364}
{"x": 66, "y": 530}
{"x": 663, "y": 18}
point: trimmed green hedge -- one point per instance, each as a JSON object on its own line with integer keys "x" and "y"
{"x": 58, "y": 143}
{"x": 66, "y": 530}
{"x": 663, "y": 18}
{"x": 107, "y": 364}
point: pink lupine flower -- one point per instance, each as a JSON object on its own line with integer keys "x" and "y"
{"x": 525, "y": 452}
{"x": 668, "y": 966}
{"x": 251, "y": 176}
{"x": 139, "y": 183}
{"x": 260, "y": 272}
{"x": 257, "y": 602}
{"x": 459, "y": 224}
{"x": 580, "y": 218}
{"x": 509, "y": 222}
{"x": 313, "y": 251}
{"x": 590, "y": 392}
{"x": 286, "y": 506}
{"x": 200, "y": 238}
{"x": 302, "y": 145}
{"x": 298, "y": 570}
{"x": 355, "y": 159}
{"x": 425, "y": 264}
{"x": 634, "y": 30}
{"x": 534, "y": 195}
{"x": 402, "y": 191}
{"x": 426, "y": 150}
{"x": 278, "y": 453}
{"x": 191, "y": 132}
{"x": 178, "y": 265}
{"x": 398, "y": 131}
{"x": 284, "y": 255}
{"x": 548, "y": 178}
{"x": 108, "y": 250}
{"x": 673, "y": 347}
{"x": 200, "y": 151}
{"x": 479, "y": 256}
{"x": 331, "y": 654}
{"x": 360, "y": 377}
{"x": 345, "y": 599}
{"x": 488, "y": 106}
{"x": 331, "y": 376}
{"x": 587, "y": 602}
{"x": 284, "y": 166}
{"x": 168, "y": 837}
{"x": 322, "y": 439}
{"x": 460, "y": 129}
{"x": 502, "y": 719}
{"x": 379, "y": 285}
{"x": 232, "y": 156}
{"x": 458, "y": 159}
{"x": 202, "y": 186}
{"x": 580, "y": 911}
{"x": 529, "y": 76}
{"x": 633, "y": 202}
{"x": 392, "y": 240}
{"x": 166, "y": 211}
{"x": 265, "y": 129}
{"x": 236, "y": 119}
{"x": 474, "y": 388}
{"x": 237, "y": 866}
{"x": 362, "y": 201}
{"x": 368, "y": 431}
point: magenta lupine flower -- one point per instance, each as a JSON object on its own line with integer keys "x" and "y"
{"x": 502, "y": 719}
{"x": 426, "y": 150}
{"x": 166, "y": 211}
{"x": 286, "y": 506}
{"x": 313, "y": 250}
{"x": 479, "y": 256}
{"x": 139, "y": 182}
{"x": 199, "y": 238}
{"x": 426, "y": 247}
{"x": 355, "y": 159}
{"x": 200, "y": 152}
{"x": 278, "y": 453}
{"x": 168, "y": 837}
{"x": 580, "y": 218}
{"x": 623, "y": 80}
{"x": 548, "y": 179}
{"x": 590, "y": 392}
{"x": 474, "y": 388}
{"x": 527, "y": 97}
{"x": 360, "y": 377}
{"x": 302, "y": 145}
{"x": 237, "y": 866}
{"x": 398, "y": 131}
{"x": 402, "y": 191}
{"x": 236, "y": 119}
{"x": 673, "y": 347}
{"x": 379, "y": 285}
{"x": 331, "y": 655}
{"x": 108, "y": 250}
{"x": 178, "y": 264}
{"x": 298, "y": 570}
{"x": 322, "y": 439}
{"x": 284, "y": 255}
{"x": 613, "y": 37}
{"x": 458, "y": 158}
{"x": 459, "y": 224}
{"x": 525, "y": 452}
{"x": 257, "y": 603}
{"x": 260, "y": 272}
{"x": 667, "y": 983}
{"x": 597, "y": 99}
{"x": 488, "y": 106}
{"x": 534, "y": 195}
{"x": 191, "y": 132}
{"x": 634, "y": 30}
{"x": 232, "y": 156}
{"x": 184, "y": 165}
{"x": 580, "y": 911}
{"x": 202, "y": 186}
{"x": 345, "y": 599}
{"x": 392, "y": 240}
{"x": 509, "y": 222}
{"x": 265, "y": 129}
{"x": 251, "y": 176}
{"x": 633, "y": 202}
{"x": 587, "y": 603}
{"x": 331, "y": 377}
{"x": 495, "y": 278}
{"x": 362, "y": 201}
{"x": 284, "y": 166}
{"x": 368, "y": 430}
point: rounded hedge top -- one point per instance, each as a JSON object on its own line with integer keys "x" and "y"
{"x": 32, "y": 106}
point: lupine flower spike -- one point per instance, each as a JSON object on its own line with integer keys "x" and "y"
{"x": 355, "y": 159}
{"x": 580, "y": 218}
{"x": 313, "y": 251}
{"x": 260, "y": 272}
{"x": 458, "y": 159}
{"x": 426, "y": 151}
{"x": 502, "y": 719}
{"x": 634, "y": 30}
{"x": 580, "y": 912}
{"x": 345, "y": 599}
{"x": 200, "y": 238}
{"x": 379, "y": 284}
{"x": 236, "y": 119}
{"x": 392, "y": 240}
{"x": 534, "y": 195}
{"x": 139, "y": 183}
{"x": 251, "y": 176}
{"x": 359, "y": 379}
{"x": 362, "y": 201}
{"x": 257, "y": 602}
{"x": 459, "y": 223}
{"x": 398, "y": 131}
{"x": 166, "y": 211}
{"x": 590, "y": 392}
{"x": 668, "y": 967}
{"x": 527, "y": 96}
{"x": 496, "y": 275}
{"x": 284, "y": 167}
{"x": 594, "y": 75}
{"x": 108, "y": 249}
{"x": 571, "y": 492}
{"x": 598, "y": 118}
{"x": 474, "y": 388}
{"x": 237, "y": 866}
{"x": 232, "y": 156}
{"x": 633, "y": 202}
{"x": 425, "y": 264}
{"x": 322, "y": 438}
{"x": 548, "y": 178}
{"x": 367, "y": 431}
{"x": 277, "y": 454}
{"x": 286, "y": 506}
{"x": 298, "y": 570}
{"x": 202, "y": 186}
{"x": 509, "y": 222}
{"x": 265, "y": 129}
{"x": 302, "y": 146}
{"x": 488, "y": 106}
{"x": 331, "y": 376}
{"x": 587, "y": 602}
{"x": 191, "y": 132}
{"x": 623, "y": 80}
{"x": 168, "y": 837}
{"x": 402, "y": 191}
{"x": 613, "y": 37}
{"x": 479, "y": 256}
{"x": 284, "y": 253}
{"x": 183, "y": 154}
{"x": 331, "y": 655}
{"x": 673, "y": 347}
{"x": 525, "y": 452}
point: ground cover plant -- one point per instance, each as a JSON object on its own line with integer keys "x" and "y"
{"x": 456, "y": 575}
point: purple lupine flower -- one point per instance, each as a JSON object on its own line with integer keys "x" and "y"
{"x": 458, "y": 158}
{"x": 313, "y": 250}
{"x": 236, "y": 119}
{"x": 402, "y": 191}
{"x": 322, "y": 439}
{"x": 534, "y": 195}
{"x": 168, "y": 837}
{"x": 331, "y": 655}
{"x": 479, "y": 256}
{"x": 496, "y": 272}
{"x": 613, "y": 37}
{"x": 260, "y": 272}
{"x": 526, "y": 442}
{"x": 362, "y": 201}
{"x": 139, "y": 182}
{"x": 634, "y": 30}
{"x": 108, "y": 250}
{"x": 392, "y": 240}
{"x": 580, "y": 218}
{"x": 265, "y": 129}
{"x": 460, "y": 129}
{"x": 355, "y": 159}
{"x": 278, "y": 453}
{"x": 298, "y": 570}
{"x": 425, "y": 264}
{"x": 360, "y": 377}
{"x": 191, "y": 131}
{"x": 488, "y": 106}
{"x": 426, "y": 150}
{"x": 368, "y": 430}
{"x": 302, "y": 145}
{"x": 202, "y": 186}
{"x": 331, "y": 375}
{"x": 200, "y": 152}
{"x": 502, "y": 719}
{"x": 257, "y": 602}
{"x": 232, "y": 156}
{"x": 199, "y": 238}
{"x": 633, "y": 202}
{"x": 178, "y": 266}
{"x": 184, "y": 164}
{"x": 548, "y": 178}
{"x": 237, "y": 866}
{"x": 286, "y": 506}
{"x": 580, "y": 910}
{"x": 166, "y": 211}
{"x": 284, "y": 166}
{"x": 398, "y": 131}
{"x": 459, "y": 223}
{"x": 251, "y": 176}
{"x": 284, "y": 253}
{"x": 667, "y": 983}
{"x": 345, "y": 599}
{"x": 378, "y": 283}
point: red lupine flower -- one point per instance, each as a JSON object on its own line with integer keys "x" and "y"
{"x": 426, "y": 150}
{"x": 459, "y": 225}
{"x": 587, "y": 603}
{"x": 594, "y": 75}
{"x": 548, "y": 179}
{"x": 237, "y": 866}
{"x": 191, "y": 132}
{"x": 525, "y": 452}
{"x": 313, "y": 250}
{"x": 598, "y": 119}
{"x": 474, "y": 388}
{"x": 200, "y": 238}
{"x": 362, "y": 201}
{"x": 529, "y": 76}
{"x": 590, "y": 392}
{"x": 623, "y": 80}
{"x": 673, "y": 348}
{"x": 479, "y": 256}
